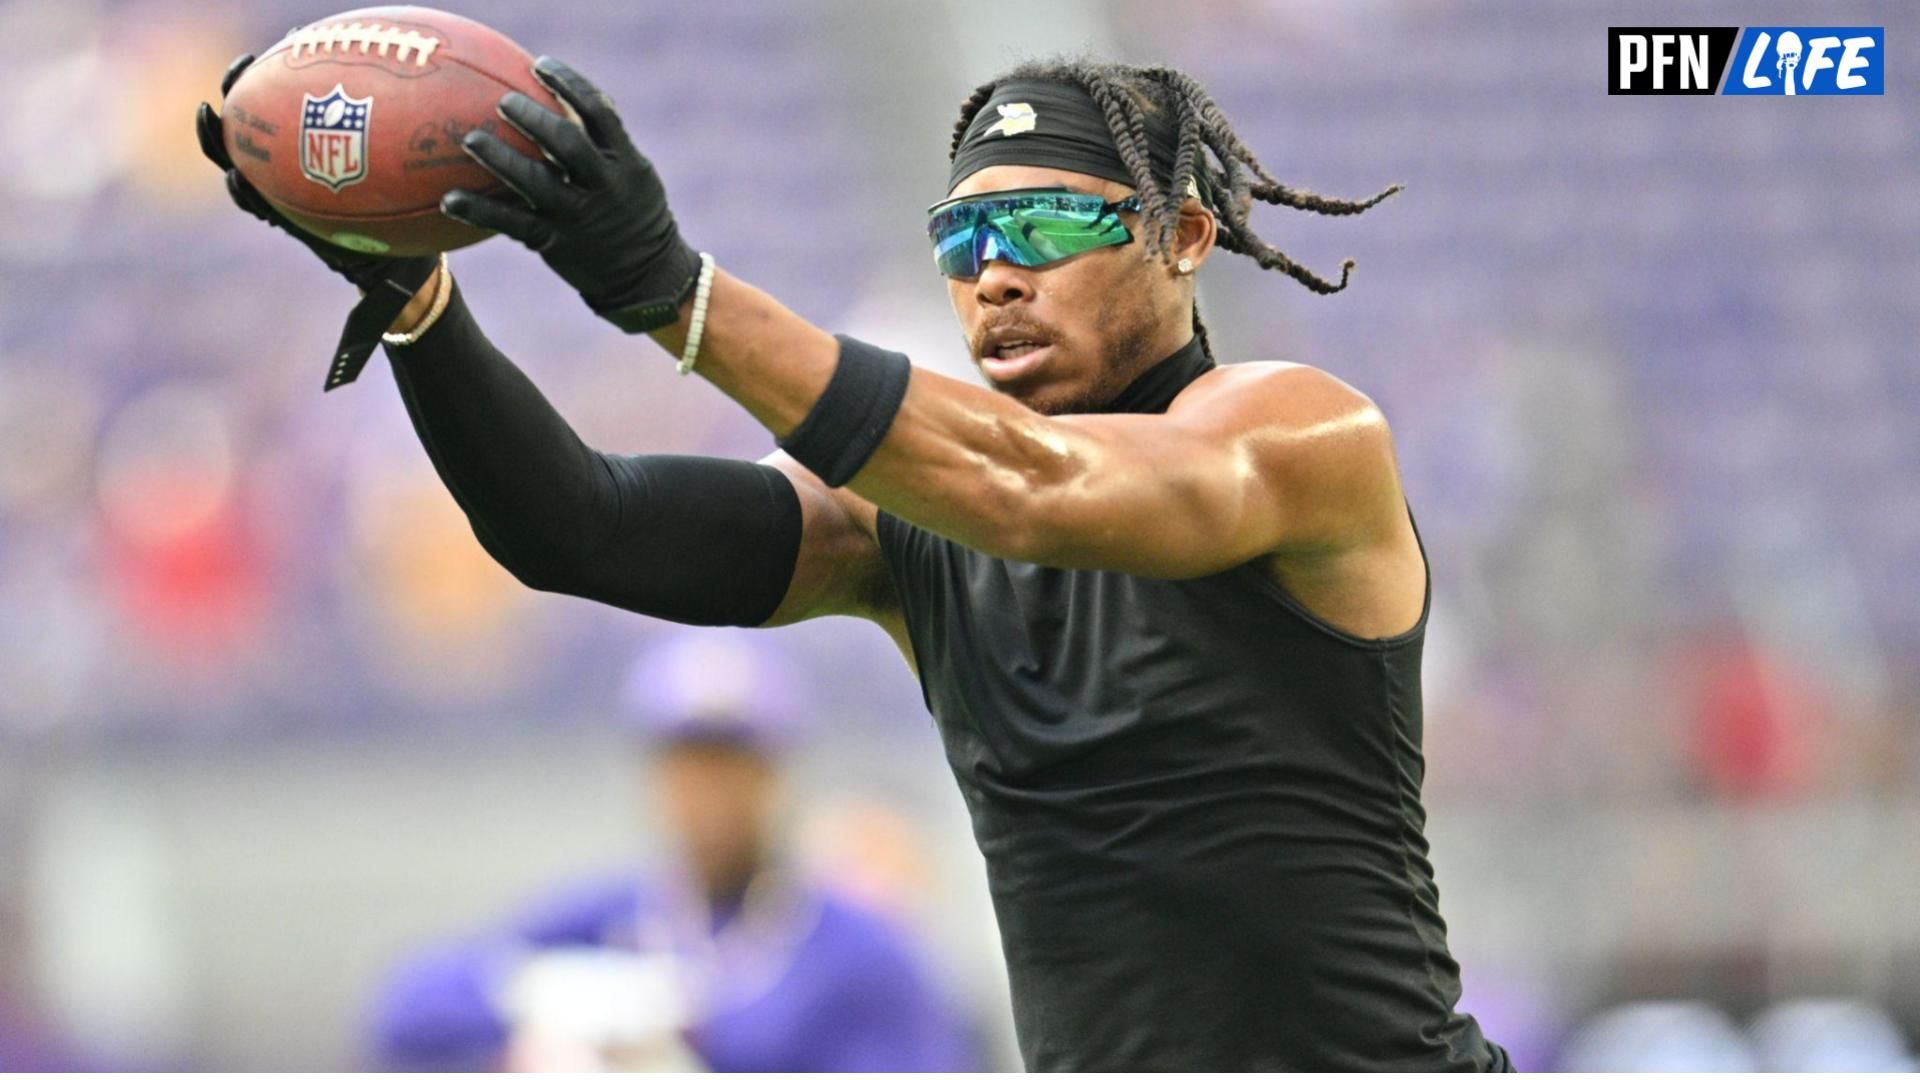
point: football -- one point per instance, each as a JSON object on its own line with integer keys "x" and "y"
{"x": 351, "y": 125}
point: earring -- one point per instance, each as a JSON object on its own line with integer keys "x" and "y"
{"x": 1186, "y": 266}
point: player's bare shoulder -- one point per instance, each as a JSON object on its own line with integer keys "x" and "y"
{"x": 1286, "y": 399}
{"x": 1319, "y": 446}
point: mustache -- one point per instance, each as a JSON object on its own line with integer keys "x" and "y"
{"x": 1009, "y": 329}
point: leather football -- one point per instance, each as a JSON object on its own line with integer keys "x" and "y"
{"x": 351, "y": 125}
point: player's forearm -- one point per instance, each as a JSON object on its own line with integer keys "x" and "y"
{"x": 706, "y": 541}
{"x": 958, "y": 459}
{"x": 533, "y": 491}
{"x": 759, "y": 353}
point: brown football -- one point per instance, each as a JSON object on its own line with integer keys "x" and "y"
{"x": 351, "y": 125}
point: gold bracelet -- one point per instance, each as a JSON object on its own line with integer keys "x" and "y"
{"x": 442, "y": 292}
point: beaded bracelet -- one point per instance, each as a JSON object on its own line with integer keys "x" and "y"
{"x": 699, "y": 321}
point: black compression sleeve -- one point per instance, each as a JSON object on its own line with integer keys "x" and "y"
{"x": 705, "y": 541}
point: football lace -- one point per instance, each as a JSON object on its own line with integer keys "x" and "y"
{"x": 406, "y": 44}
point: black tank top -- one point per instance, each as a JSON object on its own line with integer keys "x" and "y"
{"x": 1199, "y": 807}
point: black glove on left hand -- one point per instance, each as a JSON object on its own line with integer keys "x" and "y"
{"x": 387, "y": 283}
{"x": 597, "y": 212}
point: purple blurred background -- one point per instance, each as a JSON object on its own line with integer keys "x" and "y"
{"x": 270, "y": 715}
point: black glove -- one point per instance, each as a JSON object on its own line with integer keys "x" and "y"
{"x": 388, "y": 283}
{"x": 597, "y": 212}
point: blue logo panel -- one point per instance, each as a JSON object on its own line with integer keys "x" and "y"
{"x": 1797, "y": 60}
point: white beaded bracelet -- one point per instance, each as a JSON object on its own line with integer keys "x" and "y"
{"x": 698, "y": 323}
{"x": 442, "y": 292}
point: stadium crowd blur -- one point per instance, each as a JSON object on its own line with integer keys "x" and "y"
{"x": 271, "y": 719}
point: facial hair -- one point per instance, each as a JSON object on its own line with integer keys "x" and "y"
{"x": 1124, "y": 359}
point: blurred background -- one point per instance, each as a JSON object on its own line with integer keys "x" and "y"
{"x": 271, "y": 723}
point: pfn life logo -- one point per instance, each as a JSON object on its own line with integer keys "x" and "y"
{"x": 1780, "y": 60}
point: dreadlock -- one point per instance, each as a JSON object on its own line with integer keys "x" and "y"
{"x": 1126, "y": 95}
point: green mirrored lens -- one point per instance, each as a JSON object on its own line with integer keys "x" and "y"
{"x": 1027, "y": 229}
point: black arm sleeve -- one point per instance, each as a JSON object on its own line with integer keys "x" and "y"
{"x": 705, "y": 541}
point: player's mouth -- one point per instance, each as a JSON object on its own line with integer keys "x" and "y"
{"x": 1011, "y": 355}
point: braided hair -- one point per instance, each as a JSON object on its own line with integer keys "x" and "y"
{"x": 1126, "y": 95}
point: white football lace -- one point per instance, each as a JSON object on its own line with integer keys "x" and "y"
{"x": 406, "y": 44}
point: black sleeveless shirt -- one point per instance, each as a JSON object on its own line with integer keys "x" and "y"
{"x": 1199, "y": 807}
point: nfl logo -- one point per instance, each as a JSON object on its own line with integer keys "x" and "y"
{"x": 333, "y": 138}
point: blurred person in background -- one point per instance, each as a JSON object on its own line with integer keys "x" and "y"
{"x": 723, "y": 960}
{"x": 1169, "y": 614}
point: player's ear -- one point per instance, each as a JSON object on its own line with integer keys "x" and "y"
{"x": 1194, "y": 234}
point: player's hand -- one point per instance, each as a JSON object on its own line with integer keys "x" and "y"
{"x": 366, "y": 271}
{"x": 594, "y": 209}
{"x": 388, "y": 283}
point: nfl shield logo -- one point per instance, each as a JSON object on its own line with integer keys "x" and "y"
{"x": 333, "y": 138}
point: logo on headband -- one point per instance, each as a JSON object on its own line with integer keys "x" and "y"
{"x": 1015, "y": 119}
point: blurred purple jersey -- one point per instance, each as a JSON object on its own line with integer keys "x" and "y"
{"x": 793, "y": 981}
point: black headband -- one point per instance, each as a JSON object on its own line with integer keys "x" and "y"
{"x": 1056, "y": 125}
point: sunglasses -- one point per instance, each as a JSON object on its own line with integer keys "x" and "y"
{"x": 1028, "y": 227}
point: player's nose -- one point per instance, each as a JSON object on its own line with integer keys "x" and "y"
{"x": 1002, "y": 282}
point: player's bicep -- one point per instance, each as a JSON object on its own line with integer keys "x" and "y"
{"x": 839, "y": 569}
{"x": 1161, "y": 502}
{"x": 1254, "y": 461}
